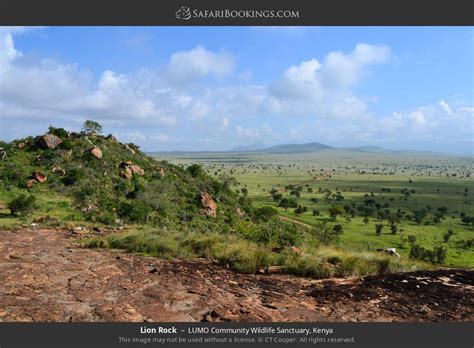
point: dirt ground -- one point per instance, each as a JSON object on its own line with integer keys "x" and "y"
{"x": 46, "y": 276}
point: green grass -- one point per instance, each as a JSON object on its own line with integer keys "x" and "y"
{"x": 438, "y": 182}
{"x": 52, "y": 210}
{"x": 245, "y": 256}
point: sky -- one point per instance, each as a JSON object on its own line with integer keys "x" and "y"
{"x": 215, "y": 88}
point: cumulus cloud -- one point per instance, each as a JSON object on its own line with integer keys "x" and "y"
{"x": 198, "y": 62}
{"x": 197, "y": 99}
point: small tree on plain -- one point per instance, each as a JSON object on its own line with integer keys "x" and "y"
{"x": 378, "y": 229}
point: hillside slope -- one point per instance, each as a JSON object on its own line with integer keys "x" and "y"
{"x": 111, "y": 182}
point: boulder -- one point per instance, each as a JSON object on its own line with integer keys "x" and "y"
{"x": 296, "y": 250}
{"x": 137, "y": 170}
{"x": 49, "y": 141}
{"x": 274, "y": 269}
{"x": 209, "y": 207}
{"x": 124, "y": 164}
{"x": 39, "y": 177}
{"x": 126, "y": 172}
{"x": 128, "y": 169}
{"x": 96, "y": 152}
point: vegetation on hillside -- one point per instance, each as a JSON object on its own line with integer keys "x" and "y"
{"x": 64, "y": 179}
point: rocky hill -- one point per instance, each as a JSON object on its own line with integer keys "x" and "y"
{"x": 111, "y": 182}
{"x": 88, "y": 181}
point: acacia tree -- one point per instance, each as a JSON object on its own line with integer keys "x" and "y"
{"x": 92, "y": 127}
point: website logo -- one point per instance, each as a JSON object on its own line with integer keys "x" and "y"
{"x": 183, "y": 13}
{"x": 186, "y": 13}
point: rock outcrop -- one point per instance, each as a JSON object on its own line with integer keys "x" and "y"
{"x": 137, "y": 170}
{"x": 48, "y": 141}
{"x": 209, "y": 207}
{"x": 96, "y": 152}
{"x": 128, "y": 169}
{"x": 39, "y": 177}
{"x": 46, "y": 276}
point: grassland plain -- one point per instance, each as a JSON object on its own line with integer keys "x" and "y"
{"x": 391, "y": 183}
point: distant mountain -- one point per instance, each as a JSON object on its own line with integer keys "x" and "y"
{"x": 251, "y": 147}
{"x": 376, "y": 149}
{"x": 296, "y": 148}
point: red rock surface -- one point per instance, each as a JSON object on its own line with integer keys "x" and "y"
{"x": 46, "y": 276}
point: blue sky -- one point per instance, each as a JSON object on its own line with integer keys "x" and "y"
{"x": 213, "y": 88}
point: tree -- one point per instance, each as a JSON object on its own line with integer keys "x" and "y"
{"x": 92, "y": 127}
{"x": 378, "y": 229}
{"x": 265, "y": 213}
{"x": 419, "y": 215}
{"x": 300, "y": 210}
{"x": 440, "y": 254}
{"x": 394, "y": 228}
{"x": 195, "y": 170}
{"x": 277, "y": 196}
{"x": 366, "y": 220}
{"x": 288, "y": 203}
{"x": 335, "y": 211}
{"x": 448, "y": 235}
{"x": 337, "y": 229}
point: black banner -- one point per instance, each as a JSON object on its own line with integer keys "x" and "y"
{"x": 242, "y": 12}
{"x": 367, "y": 335}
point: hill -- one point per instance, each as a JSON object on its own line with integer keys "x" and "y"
{"x": 251, "y": 147}
{"x": 85, "y": 182}
{"x": 295, "y": 148}
{"x": 111, "y": 182}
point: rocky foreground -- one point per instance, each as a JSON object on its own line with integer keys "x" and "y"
{"x": 46, "y": 276}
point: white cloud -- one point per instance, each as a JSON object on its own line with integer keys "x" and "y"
{"x": 445, "y": 107}
{"x": 194, "y": 64}
{"x": 310, "y": 101}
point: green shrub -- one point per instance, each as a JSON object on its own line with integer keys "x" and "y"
{"x": 22, "y": 204}
{"x": 195, "y": 170}
{"x": 275, "y": 232}
{"x": 134, "y": 211}
{"x": 73, "y": 175}
{"x": 265, "y": 213}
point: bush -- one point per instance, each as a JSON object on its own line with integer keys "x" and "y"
{"x": 265, "y": 213}
{"x": 59, "y": 132}
{"x": 22, "y": 204}
{"x": 135, "y": 211}
{"x": 378, "y": 229}
{"x": 73, "y": 176}
{"x": 275, "y": 232}
{"x": 195, "y": 170}
{"x": 288, "y": 203}
{"x": 300, "y": 210}
{"x": 337, "y": 228}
